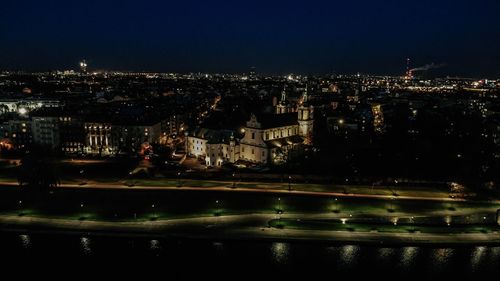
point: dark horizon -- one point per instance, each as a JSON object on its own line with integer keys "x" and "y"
{"x": 277, "y": 38}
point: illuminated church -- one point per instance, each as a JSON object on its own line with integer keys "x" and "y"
{"x": 267, "y": 138}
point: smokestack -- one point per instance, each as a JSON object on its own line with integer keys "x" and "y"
{"x": 427, "y": 67}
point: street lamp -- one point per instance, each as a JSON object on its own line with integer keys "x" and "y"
{"x": 392, "y": 207}
{"x": 179, "y": 183}
{"x": 335, "y": 202}
{"x": 83, "y": 215}
{"x": 82, "y": 173}
{"x": 280, "y": 211}
{"x": 153, "y": 206}
{"x": 234, "y": 180}
{"x": 289, "y": 183}
{"x": 217, "y": 209}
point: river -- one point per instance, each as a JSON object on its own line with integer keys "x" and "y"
{"x": 268, "y": 257}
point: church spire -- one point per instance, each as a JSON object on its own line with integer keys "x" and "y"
{"x": 283, "y": 94}
{"x": 305, "y": 97}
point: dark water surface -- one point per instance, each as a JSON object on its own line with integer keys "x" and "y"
{"x": 239, "y": 260}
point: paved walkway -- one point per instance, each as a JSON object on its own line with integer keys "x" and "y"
{"x": 251, "y": 227}
{"x": 228, "y": 188}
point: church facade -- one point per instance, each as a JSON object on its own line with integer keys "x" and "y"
{"x": 267, "y": 138}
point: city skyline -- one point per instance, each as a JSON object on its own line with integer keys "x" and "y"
{"x": 276, "y": 38}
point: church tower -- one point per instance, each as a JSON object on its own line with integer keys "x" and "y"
{"x": 283, "y": 106}
{"x": 305, "y": 119}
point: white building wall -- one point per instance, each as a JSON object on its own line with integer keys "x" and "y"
{"x": 281, "y": 132}
{"x": 197, "y": 147}
{"x": 252, "y": 146}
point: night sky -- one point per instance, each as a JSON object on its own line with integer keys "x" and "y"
{"x": 309, "y": 37}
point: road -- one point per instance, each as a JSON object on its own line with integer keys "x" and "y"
{"x": 228, "y": 188}
{"x": 245, "y": 227}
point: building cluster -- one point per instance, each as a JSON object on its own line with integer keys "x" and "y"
{"x": 244, "y": 119}
{"x": 89, "y": 132}
{"x": 74, "y": 118}
{"x": 265, "y": 138}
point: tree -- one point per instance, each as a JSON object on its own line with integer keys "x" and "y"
{"x": 37, "y": 172}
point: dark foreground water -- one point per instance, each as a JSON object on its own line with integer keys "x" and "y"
{"x": 238, "y": 260}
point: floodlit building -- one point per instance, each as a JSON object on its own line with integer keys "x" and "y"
{"x": 306, "y": 119}
{"x": 283, "y": 105}
{"x": 215, "y": 146}
{"x": 26, "y": 105}
{"x": 98, "y": 138}
{"x": 105, "y": 138}
{"x": 267, "y": 138}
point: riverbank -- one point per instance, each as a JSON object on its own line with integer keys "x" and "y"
{"x": 252, "y": 227}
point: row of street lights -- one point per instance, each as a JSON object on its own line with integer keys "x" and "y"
{"x": 279, "y": 211}
{"x": 289, "y": 182}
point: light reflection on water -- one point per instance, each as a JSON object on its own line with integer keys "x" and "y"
{"x": 349, "y": 256}
{"x": 86, "y": 243}
{"x": 477, "y": 256}
{"x": 280, "y": 252}
{"x": 409, "y": 256}
{"x": 441, "y": 258}
{"x": 494, "y": 253}
{"x": 332, "y": 252}
{"x": 154, "y": 245}
{"x": 427, "y": 263}
{"x": 25, "y": 241}
{"x": 385, "y": 254}
{"x": 218, "y": 246}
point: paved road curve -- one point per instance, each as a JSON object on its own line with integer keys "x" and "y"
{"x": 248, "y": 227}
{"x": 120, "y": 186}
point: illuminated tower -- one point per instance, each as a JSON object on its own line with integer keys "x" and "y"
{"x": 83, "y": 66}
{"x": 283, "y": 106}
{"x": 409, "y": 71}
{"x": 305, "y": 119}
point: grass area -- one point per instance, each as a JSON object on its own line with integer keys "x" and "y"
{"x": 380, "y": 227}
{"x": 141, "y": 205}
{"x": 129, "y": 205}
